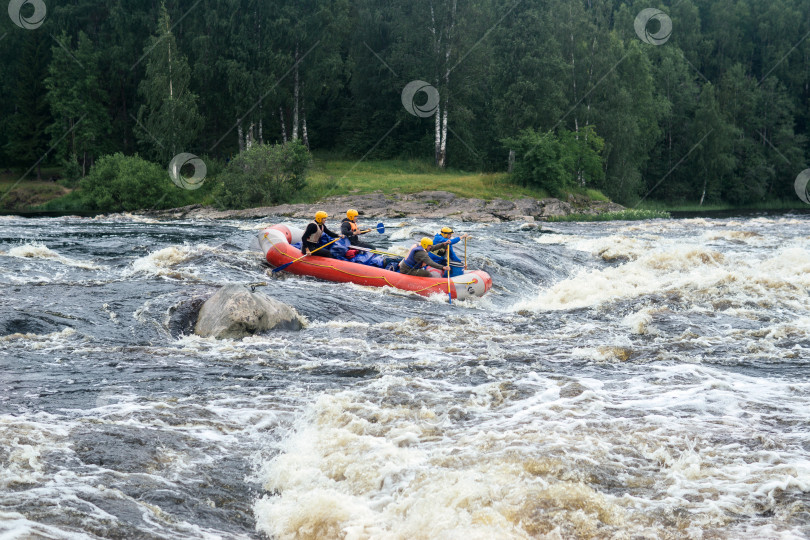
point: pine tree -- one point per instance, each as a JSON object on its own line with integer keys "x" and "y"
{"x": 28, "y": 139}
{"x": 78, "y": 103}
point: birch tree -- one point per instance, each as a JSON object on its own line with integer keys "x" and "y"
{"x": 168, "y": 121}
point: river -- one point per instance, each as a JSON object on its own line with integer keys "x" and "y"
{"x": 620, "y": 380}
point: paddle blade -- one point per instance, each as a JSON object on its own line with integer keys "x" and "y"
{"x": 282, "y": 267}
{"x": 380, "y": 228}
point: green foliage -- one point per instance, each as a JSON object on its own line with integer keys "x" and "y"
{"x": 125, "y": 183}
{"x": 264, "y": 175}
{"x": 558, "y": 162}
{"x": 623, "y": 215}
{"x": 168, "y": 122}
{"x": 718, "y": 114}
{"x": 81, "y": 128}
{"x": 71, "y": 172}
{"x": 27, "y": 138}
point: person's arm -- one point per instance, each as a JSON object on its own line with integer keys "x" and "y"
{"x": 345, "y": 228}
{"x": 330, "y": 233}
{"x": 437, "y": 247}
{"x": 423, "y": 258}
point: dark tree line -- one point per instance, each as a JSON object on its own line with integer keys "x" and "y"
{"x": 717, "y": 112}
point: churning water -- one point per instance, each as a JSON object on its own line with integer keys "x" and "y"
{"x": 621, "y": 380}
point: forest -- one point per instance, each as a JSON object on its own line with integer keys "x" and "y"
{"x": 679, "y": 101}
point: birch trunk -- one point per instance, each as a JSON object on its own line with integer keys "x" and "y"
{"x": 295, "y": 97}
{"x": 510, "y": 164}
{"x": 249, "y": 137}
{"x": 703, "y": 195}
{"x": 171, "y": 90}
{"x": 283, "y": 127}
{"x": 304, "y": 134}
{"x": 239, "y": 135}
{"x": 438, "y": 137}
{"x": 261, "y": 134}
{"x": 443, "y": 152}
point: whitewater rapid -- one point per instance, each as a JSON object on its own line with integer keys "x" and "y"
{"x": 621, "y": 380}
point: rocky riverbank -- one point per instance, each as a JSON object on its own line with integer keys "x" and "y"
{"x": 426, "y": 205}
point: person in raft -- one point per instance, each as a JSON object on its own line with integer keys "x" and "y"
{"x": 348, "y": 228}
{"x": 311, "y": 239}
{"x": 414, "y": 264}
{"x": 440, "y": 255}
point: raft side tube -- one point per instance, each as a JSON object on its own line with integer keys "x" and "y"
{"x": 473, "y": 283}
{"x": 278, "y": 251}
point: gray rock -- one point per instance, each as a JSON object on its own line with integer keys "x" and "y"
{"x": 235, "y": 312}
{"x": 424, "y": 205}
{"x": 556, "y": 207}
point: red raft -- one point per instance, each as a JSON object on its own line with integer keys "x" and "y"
{"x": 276, "y": 243}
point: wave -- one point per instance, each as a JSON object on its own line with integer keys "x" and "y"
{"x": 41, "y": 251}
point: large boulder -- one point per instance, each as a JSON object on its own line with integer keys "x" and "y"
{"x": 235, "y": 312}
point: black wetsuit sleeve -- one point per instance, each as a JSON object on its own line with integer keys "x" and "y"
{"x": 346, "y": 228}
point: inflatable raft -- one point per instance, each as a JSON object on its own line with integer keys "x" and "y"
{"x": 276, "y": 242}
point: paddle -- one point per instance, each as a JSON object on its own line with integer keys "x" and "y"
{"x": 381, "y": 227}
{"x": 389, "y": 254}
{"x": 377, "y": 251}
{"x": 465, "y": 253}
{"x": 283, "y": 266}
{"x": 449, "y": 296}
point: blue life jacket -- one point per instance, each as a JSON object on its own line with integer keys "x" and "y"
{"x": 410, "y": 260}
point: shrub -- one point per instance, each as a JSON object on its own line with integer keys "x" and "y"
{"x": 558, "y": 162}
{"x": 629, "y": 214}
{"x": 122, "y": 183}
{"x": 264, "y": 175}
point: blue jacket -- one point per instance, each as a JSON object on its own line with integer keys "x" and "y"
{"x": 438, "y": 239}
{"x": 454, "y": 270}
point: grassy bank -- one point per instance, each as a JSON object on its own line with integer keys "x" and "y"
{"x": 328, "y": 176}
{"x": 790, "y": 204}
{"x": 624, "y": 215}
{"x": 25, "y": 195}
{"x": 334, "y": 176}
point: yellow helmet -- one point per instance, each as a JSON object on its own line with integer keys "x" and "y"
{"x": 447, "y": 230}
{"x": 351, "y": 214}
{"x": 426, "y": 242}
{"x": 320, "y": 215}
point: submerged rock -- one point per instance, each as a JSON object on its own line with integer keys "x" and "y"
{"x": 235, "y": 312}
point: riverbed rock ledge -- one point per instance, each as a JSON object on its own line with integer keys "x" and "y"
{"x": 235, "y": 312}
{"x": 424, "y": 205}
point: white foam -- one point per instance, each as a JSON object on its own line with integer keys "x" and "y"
{"x": 41, "y": 251}
{"x": 48, "y": 339}
{"x": 163, "y": 261}
{"x": 693, "y": 272}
